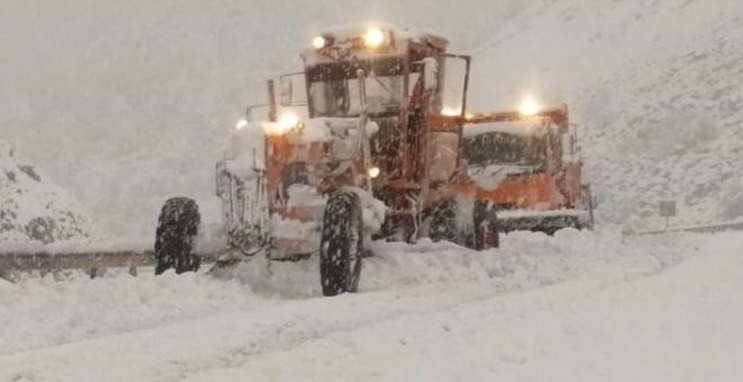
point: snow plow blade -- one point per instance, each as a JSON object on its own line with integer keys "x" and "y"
{"x": 548, "y": 222}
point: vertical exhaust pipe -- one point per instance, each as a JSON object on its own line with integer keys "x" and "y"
{"x": 271, "y": 101}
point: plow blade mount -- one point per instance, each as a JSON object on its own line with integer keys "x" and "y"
{"x": 548, "y": 222}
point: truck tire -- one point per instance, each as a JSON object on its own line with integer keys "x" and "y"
{"x": 444, "y": 222}
{"x": 177, "y": 226}
{"x": 481, "y": 232}
{"x": 341, "y": 244}
{"x": 486, "y": 226}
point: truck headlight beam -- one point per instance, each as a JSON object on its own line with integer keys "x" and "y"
{"x": 319, "y": 42}
{"x": 374, "y": 38}
{"x": 529, "y": 107}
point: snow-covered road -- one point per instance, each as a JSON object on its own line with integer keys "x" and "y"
{"x": 580, "y": 306}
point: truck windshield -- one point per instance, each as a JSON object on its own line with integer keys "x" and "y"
{"x": 499, "y": 148}
{"x": 335, "y": 89}
{"x": 342, "y": 98}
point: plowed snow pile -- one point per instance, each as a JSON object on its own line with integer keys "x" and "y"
{"x": 70, "y": 307}
{"x": 32, "y": 207}
{"x": 580, "y": 306}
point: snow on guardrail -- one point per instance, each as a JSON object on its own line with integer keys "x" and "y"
{"x": 91, "y": 262}
{"x": 736, "y": 225}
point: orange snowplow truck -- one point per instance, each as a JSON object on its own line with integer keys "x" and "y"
{"x": 371, "y": 141}
{"x": 528, "y": 165}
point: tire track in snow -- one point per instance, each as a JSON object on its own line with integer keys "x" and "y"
{"x": 229, "y": 340}
{"x": 403, "y": 281}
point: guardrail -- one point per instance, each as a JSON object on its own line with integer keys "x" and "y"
{"x": 93, "y": 262}
{"x": 710, "y": 228}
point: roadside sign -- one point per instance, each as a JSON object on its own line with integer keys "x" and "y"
{"x": 668, "y": 209}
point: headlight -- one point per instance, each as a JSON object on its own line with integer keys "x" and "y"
{"x": 288, "y": 120}
{"x": 319, "y": 42}
{"x": 529, "y": 107}
{"x": 241, "y": 124}
{"x": 450, "y": 111}
{"x": 373, "y": 172}
{"x": 374, "y": 38}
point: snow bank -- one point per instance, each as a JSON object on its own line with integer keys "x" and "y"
{"x": 70, "y": 307}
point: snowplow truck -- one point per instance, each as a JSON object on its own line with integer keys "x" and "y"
{"x": 528, "y": 164}
{"x": 366, "y": 143}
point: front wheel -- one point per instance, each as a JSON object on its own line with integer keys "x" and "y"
{"x": 444, "y": 222}
{"x": 176, "y": 228}
{"x": 486, "y": 226}
{"x": 341, "y": 244}
{"x": 452, "y": 222}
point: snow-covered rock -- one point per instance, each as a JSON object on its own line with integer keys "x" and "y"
{"x": 33, "y": 207}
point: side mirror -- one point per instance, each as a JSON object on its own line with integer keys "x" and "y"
{"x": 430, "y": 73}
{"x": 292, "y": 90}
{"x": 453, "y": 86}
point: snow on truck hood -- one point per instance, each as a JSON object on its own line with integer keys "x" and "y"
{"x": 315, "y": 129}
{"x": 471, "y": 130}
{"x": 246, "y": 145}
{"x": 489, "y": 177}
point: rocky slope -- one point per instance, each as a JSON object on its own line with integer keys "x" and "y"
{"x": 33, "y": 207}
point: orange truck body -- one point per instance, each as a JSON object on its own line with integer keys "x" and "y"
{"x": 546, "y": 199}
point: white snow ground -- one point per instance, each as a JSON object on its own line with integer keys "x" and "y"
{"x": 581, "y": 306}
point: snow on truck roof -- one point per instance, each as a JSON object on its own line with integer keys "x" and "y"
{"x": 364, "y": 41}
{"x": 354, "y": 30}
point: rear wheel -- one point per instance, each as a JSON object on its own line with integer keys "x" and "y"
{"x": 444, "y": 222}
{"x": 176, "y": 228}
{"x": 341, "y": 245}
{"x": 478, "y": 231}
{"x": 486, "y": 226}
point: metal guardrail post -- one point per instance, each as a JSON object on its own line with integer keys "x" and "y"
{"x": 93, "y": 263}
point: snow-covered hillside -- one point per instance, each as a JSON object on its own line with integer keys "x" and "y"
{"x": 653, "y": 86}
{"x": 33, "y": 207}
